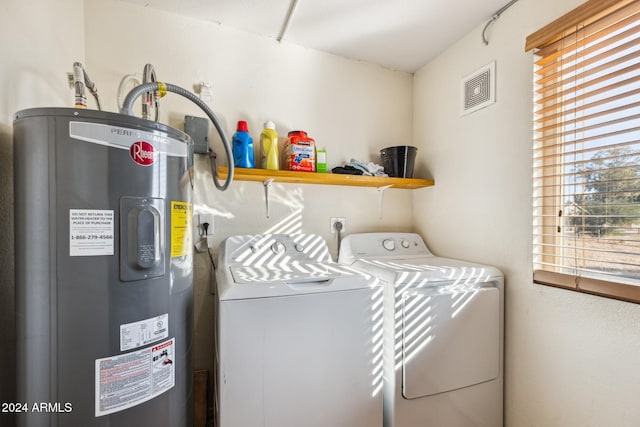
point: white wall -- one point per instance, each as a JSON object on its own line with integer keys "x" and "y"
{"x": 571, "y": 359}
{"x": 351, "y": 108}
{"x": 40, "y": 41}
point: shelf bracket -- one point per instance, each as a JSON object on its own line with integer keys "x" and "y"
{"x": 380, "y": 194}
{"x": 267, "y": 186}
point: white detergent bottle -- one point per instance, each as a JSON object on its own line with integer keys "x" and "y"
{"x": 269, "y": 158}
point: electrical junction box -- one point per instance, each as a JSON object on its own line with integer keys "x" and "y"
{"x": 198, "y": 129}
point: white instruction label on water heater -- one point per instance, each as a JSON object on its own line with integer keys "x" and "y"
{"x": 127, "y": 380}
{"x": 138, "y": 334}
{"x": 91, "y": 232}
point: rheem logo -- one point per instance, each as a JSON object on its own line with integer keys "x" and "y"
{"x": 143, "y": 153}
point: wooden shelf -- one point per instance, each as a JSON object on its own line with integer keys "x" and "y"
{"x": 261, "y": 175}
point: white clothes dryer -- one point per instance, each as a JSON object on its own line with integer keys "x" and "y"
{"x": 443, "y": 332}
{"x": 296, "y": 343}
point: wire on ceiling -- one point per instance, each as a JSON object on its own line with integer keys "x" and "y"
{"x": 494, "y": 18}
{"x": 287, "y": 20}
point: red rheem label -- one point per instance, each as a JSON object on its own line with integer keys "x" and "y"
{"x": 143, "y": 153}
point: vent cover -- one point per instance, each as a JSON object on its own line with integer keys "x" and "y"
{"x": 478, "y": 89}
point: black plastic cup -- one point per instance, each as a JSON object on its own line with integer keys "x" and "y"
{"x": 398, "y": 161}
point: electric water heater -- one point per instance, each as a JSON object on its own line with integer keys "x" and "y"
{"x": 104, "y": 270}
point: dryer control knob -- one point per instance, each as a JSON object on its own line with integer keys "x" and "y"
{"x": 277, "y": 247}
{"x": 405, "y": 244}
{"x": 388, "y": 244}
{"x": 299, "y": 247}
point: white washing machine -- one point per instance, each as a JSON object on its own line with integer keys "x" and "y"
{"x": 296, "y": 342}
{"x": 443, "y": 332}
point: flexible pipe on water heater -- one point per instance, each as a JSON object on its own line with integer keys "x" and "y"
{"x": 168, "y": 87}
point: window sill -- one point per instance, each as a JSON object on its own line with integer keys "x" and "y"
{"x": 587, "y": 285}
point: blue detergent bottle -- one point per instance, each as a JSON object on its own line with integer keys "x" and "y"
{"x": 243, "y": 147}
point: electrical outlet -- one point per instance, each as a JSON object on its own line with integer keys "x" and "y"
{"x": 203, "y": 237}
{"x": 332, "y": 224}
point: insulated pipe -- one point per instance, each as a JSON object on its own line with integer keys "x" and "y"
{"x": 129, "y": 78}
{"x": 78, "y": 85}
{"x": 80, "y": 81}
{"x": 162, "y": 88}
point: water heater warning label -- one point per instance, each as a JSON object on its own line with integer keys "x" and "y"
{"x": 180, "y": 228}
{"x": 90, "y": 232}
{"x": 138, "y": 334}
{"x": 130, "y": 379}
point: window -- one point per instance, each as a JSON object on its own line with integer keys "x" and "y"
{"x": 586, "y": 154}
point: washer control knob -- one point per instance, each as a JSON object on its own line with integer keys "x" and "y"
{"x": 405, "y": 244}
{"x": 277, "y": 247}
{"x": 299, "y": 247}
{"x": 389, "y": 244}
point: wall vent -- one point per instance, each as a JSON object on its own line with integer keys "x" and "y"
{"x": 478, "y": 89}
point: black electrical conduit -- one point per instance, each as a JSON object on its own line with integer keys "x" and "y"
{"x": 162, "y": 88}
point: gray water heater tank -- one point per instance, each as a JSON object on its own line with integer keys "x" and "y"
{"x": 104, "y": 270}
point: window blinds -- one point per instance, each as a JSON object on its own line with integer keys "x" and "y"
{"x": 586, "y": 155}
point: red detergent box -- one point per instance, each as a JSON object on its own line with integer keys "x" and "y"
{"x": 300, "y": 152}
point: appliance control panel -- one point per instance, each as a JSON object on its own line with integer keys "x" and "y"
{"x": 267, "y": 249}
{"x": 372, "y": 245}
{"x": 405, "y": 243}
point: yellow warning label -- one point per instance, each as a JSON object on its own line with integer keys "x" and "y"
{"x": 180, "y": 228}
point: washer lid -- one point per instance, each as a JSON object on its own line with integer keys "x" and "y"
{"x": 266, "y": 281}
{"x": 259, "y": 266}
{"x": 288, "y": 273}
{"x": 426, "y": 270}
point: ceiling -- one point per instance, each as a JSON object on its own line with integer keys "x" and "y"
{"x": 401, "y": 35}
